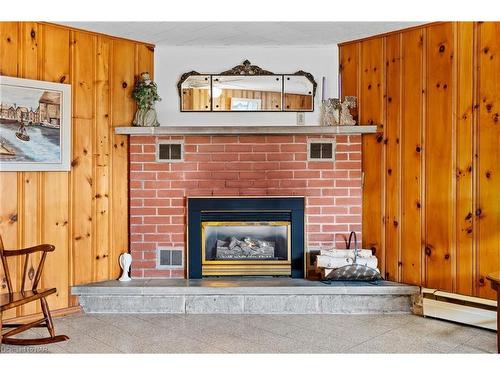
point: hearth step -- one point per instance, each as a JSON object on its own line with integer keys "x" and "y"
{"x": 248, "y": 295}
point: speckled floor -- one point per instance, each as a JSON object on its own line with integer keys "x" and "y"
{"x": 160, "y": 333}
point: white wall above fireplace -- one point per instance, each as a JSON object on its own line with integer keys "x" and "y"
{"x": 172, "y": 61}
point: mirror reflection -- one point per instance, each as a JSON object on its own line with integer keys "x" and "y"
{"x": 247, "y": 93}
{"x": 298, "y": 93}
{"x": 195, "y": 93}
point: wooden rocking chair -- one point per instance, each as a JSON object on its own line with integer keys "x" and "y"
{"x": 13, "y": 299}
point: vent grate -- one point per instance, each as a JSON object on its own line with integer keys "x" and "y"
{"x": 321, "y": 149}
{"x": 169, "y": 151}
{"x": 170, "y": 258}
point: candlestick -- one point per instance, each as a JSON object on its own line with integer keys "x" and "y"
{"x": 339, "y": 94}
{"x": 323, "y": 89}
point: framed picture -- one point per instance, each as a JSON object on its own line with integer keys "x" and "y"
{"x": 244, "y": 104}
{"x": 35, "y": 125}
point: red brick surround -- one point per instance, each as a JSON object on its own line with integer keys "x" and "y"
{"x": 256, "y": 165}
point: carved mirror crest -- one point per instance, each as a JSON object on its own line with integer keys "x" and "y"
{"x": 247, "y": 88}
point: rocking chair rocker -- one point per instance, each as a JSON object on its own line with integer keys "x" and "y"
{"x": 13, "y": 299}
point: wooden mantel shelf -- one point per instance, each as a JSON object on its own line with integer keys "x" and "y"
{"x": 237, "y": 130}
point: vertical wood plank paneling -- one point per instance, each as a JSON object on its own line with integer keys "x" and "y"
{"x": 119, "y": 203}
{"x": 145, "y": 59}
{"x": 72, "y": 210}
{"x": 9, "y": 47}
{"x": 448, "y": 154}
{"x": 439, "y": 172}
{"x": 488, "y": 210}
{"x": 83, "y": 82}
{"x": 349, "y": 70}
{"x": 55, "y": 198}
{"x": 392, "y": 152}
{"x": 83, "y": 60}
{"x": 371, "y": 100}
{"x": 123, "y": 79}
{"x": 464, "y": 172}
{"x": 82, "y": 206}
{"x": 9, "y": 210}
{"x": 411, "y": 155}
{"x": 29, "y": 67}
{"x": 102, "y": 160}
{"x": 30, "y": 50}
{"x": 123, "y": 70}
{"x": 9, "y": 227}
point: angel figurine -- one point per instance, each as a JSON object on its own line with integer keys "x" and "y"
{"x": 345, "y": 110}
{"x": 330, "y": 112}
{"x": 145, "y": 94}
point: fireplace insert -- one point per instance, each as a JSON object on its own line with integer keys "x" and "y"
{"x": 245, "y": 247}
{"x": 246, "y": 236}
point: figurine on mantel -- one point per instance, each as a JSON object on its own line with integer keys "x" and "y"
{"x": 346, "y": 117}
{"x": 330, "y": 112}
{"x": 145, "y": 94}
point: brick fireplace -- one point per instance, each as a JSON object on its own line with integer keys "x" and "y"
{"x": 238, "y": 166}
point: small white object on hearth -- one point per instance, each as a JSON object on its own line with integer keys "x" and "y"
{"x": 125, "y": 261}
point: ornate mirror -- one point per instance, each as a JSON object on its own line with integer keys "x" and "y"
{"x": 247, "y": 88}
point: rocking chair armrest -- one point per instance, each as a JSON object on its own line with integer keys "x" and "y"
{"x": 46, "y": 248}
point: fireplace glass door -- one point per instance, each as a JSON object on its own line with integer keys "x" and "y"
{"x": 246, "y": 248}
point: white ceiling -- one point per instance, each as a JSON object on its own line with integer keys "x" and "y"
{"x": 242, "y": 33}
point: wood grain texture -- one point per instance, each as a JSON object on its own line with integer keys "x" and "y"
{"x": 411, "y": 156}
{"x": 439, "y": 172}
{"x": 488, "y": 171}
{"x": 145, "y": 59}
{"x": 29, "y": 67}
{"x": 72, "y": 210}
{"x": 83, "y": 52}
{"x": 392, "y": 172}
{"x": 121, "y": 86}
{"x": 101, "y": 171}
{"x": 465, "y": 260}
{"x": 448, "y": 156}
{"x": 270, "y": 100}
{"x": 82, "y": 201}
{"x": 9, "y": 217}
{"x": 55, "y": 197}
{"x": 83, "y": 47}
{"x": 349, "y": 70}
{"x": 371, "y": 98}
{"x": 122, "y": 81}
{"x": 9, "y": 47}
{"x": 9, "y": 207}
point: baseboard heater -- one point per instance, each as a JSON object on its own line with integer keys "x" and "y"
{"x": 473, "y": 311}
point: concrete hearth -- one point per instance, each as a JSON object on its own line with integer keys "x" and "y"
{"x": 250, "y": 295}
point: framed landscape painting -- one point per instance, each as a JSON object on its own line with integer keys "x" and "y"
{"x": 35, "y": 125}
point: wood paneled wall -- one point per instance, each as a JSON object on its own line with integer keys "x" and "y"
{"x": 431, "y": 199}
{"x": 84, "y": 213}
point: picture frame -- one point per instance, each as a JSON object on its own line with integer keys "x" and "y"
{"x": 35, "y": 125}
{"x": 245, "y": 104}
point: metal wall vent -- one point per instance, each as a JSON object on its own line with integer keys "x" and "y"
{"x": 169, "y": 151}
{"x": 321, "y": 149}
{"x": 170, "y": 258}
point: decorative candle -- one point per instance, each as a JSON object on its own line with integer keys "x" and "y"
{"x": 323, "y": 89}
{"x": 339, "y": 94}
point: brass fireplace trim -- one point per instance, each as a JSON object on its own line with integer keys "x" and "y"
{"x": 246, "y": 267}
